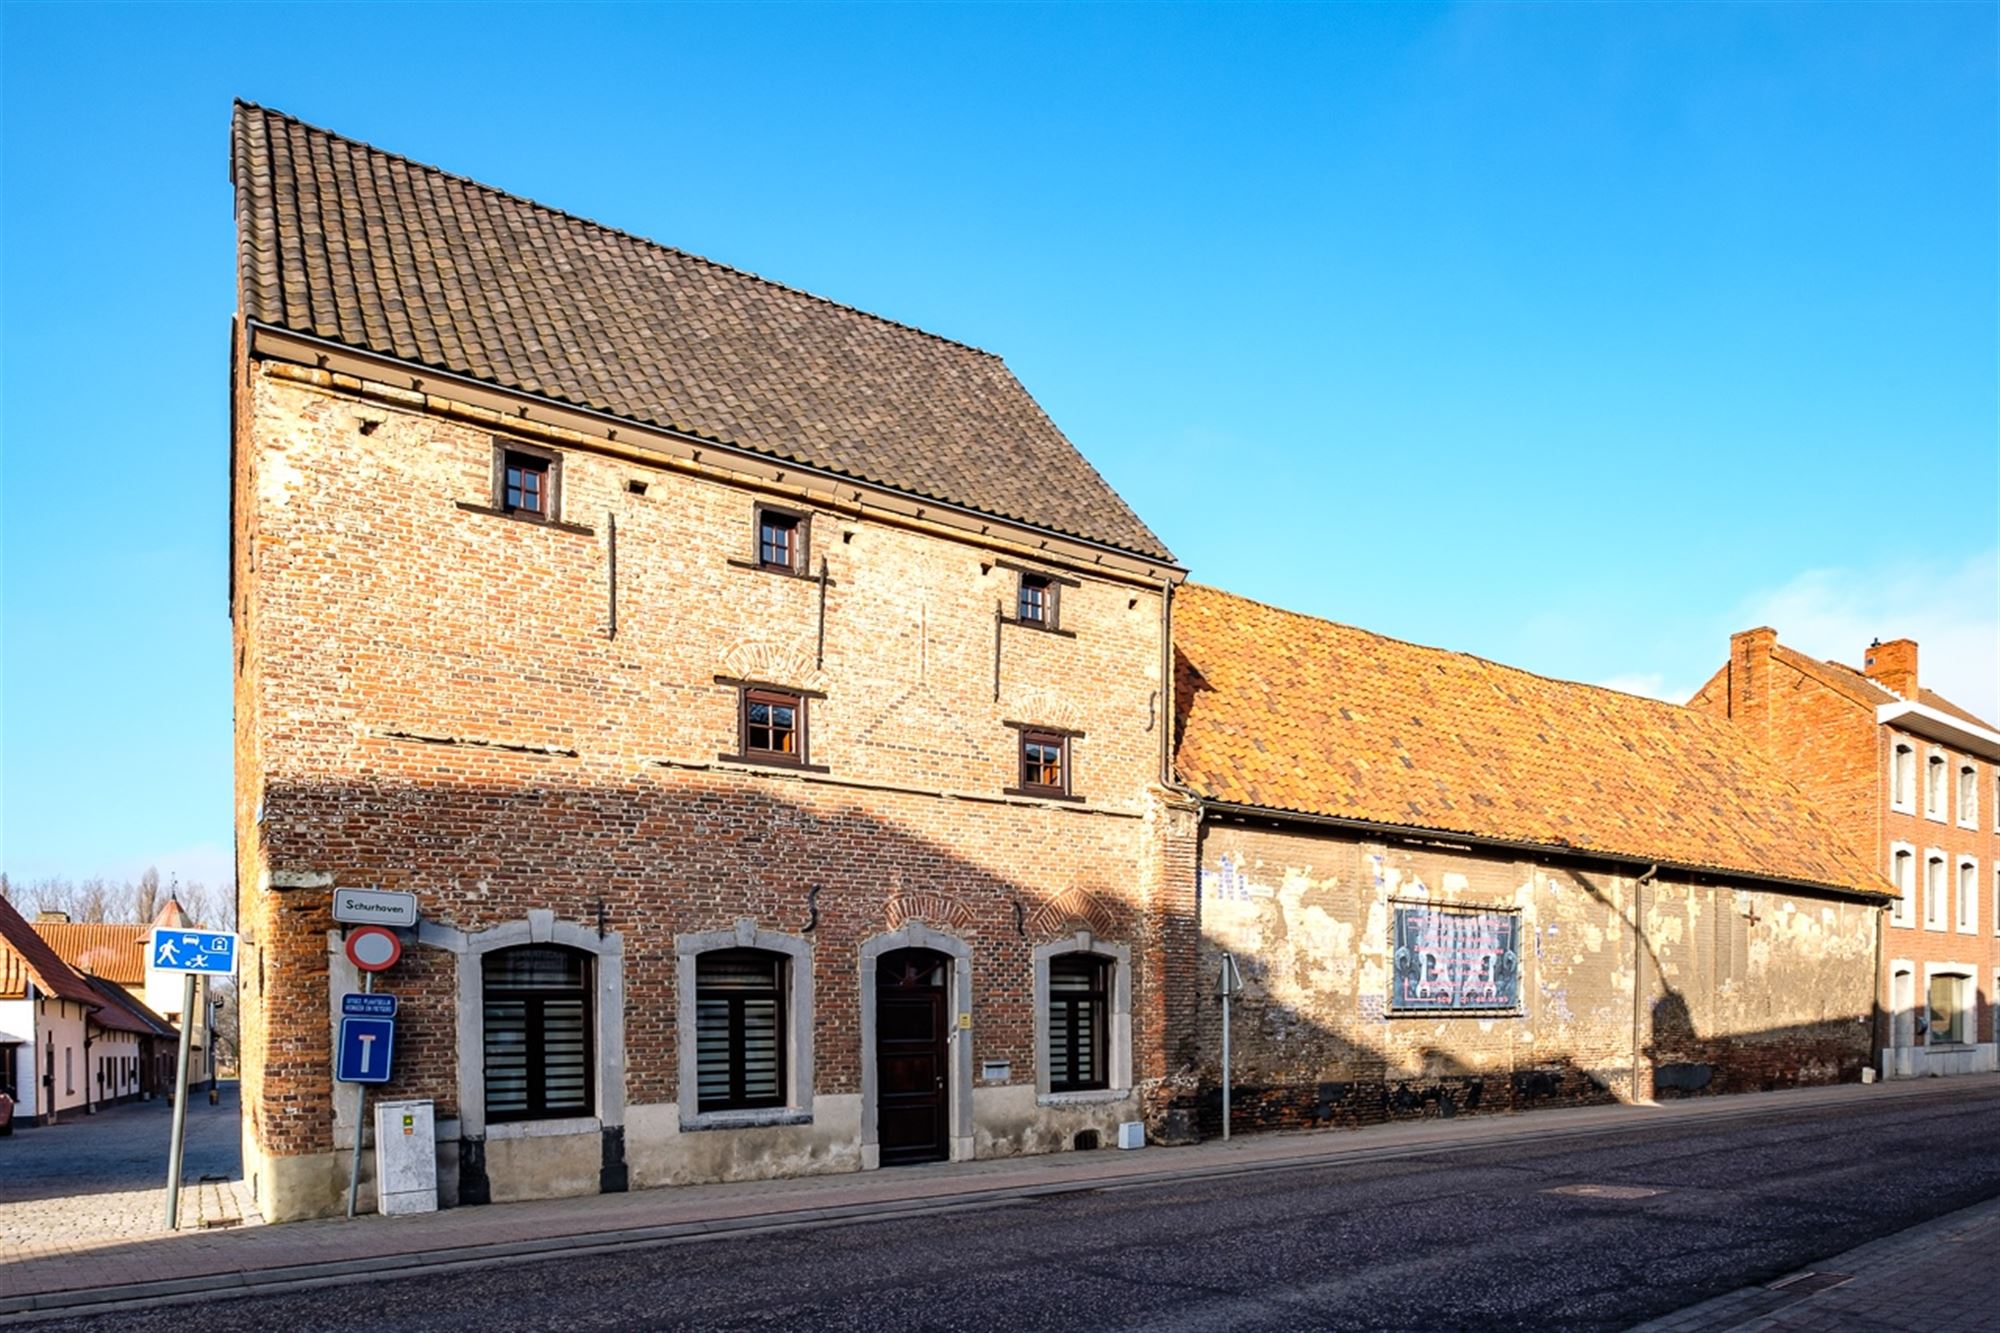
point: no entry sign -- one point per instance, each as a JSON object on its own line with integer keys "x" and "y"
{"x": 373, "y": 949}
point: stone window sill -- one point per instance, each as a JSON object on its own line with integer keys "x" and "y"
{"x": 775, "y": 1116}
{"x": 544, "y": 1129}
{"x": 1093, "y": 1097}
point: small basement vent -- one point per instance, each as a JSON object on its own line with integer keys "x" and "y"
{"x": 1085, "y": 1141}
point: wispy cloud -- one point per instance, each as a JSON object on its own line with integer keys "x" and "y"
{"x": 1951, "y": 610}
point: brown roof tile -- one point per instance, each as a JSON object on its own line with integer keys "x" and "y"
{"x": 121, "y": 1011}
{"x": 115, "y": 952}
{"x": 345, "y": 242}
{"x": 1290, "y": 713}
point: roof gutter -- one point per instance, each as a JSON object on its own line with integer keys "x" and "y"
{"x": 328, "y": 354}
{"x": 1652, "y": 866}
{"x": 1936, "y": 724}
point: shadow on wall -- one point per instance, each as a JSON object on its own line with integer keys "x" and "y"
{"x": 1315, "y": 1060}
{"x": 484, "y": 838}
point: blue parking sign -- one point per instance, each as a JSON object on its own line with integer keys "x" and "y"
{"x": 203, "y": 952}
{"x": 365, "y": 1047}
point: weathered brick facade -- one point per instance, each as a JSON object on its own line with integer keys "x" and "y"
{"x": 1824, "y": 723}
{"x": 432, "y": 698}
{"x": 1723, "y": 988}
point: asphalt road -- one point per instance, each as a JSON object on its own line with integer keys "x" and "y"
{"x": 1449, "y": 1240}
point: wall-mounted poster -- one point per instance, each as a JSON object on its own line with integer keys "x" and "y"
{"x": 1455, "y": 958}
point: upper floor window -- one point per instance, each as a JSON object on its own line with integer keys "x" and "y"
{"x": 779, "y": 540}
{"x": 1044, "y": 763}
{"x": 1903, "y": 874}
{"x": 1968, "y": 795}
{"x": 1937, "y": 906}
{"x": 526, "y": 480}
{"x": 1968, "y": 896}
{"x": 774, "y": 725}
{"x": 1934, "y": 779}
{"x": 1903, "y": 777}
{"x": 1036, "y": 602}
{"x": 739, "y": 1029}
{"x": 1079, "y": 1004}
{"x": 537, "y": 1022}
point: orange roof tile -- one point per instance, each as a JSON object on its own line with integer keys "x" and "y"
{"x": 26, "y": 956}
{"x": 114, "y": 952}
{"x": 1290, "y": 713}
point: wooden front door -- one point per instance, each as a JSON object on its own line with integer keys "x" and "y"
{"x": 911, "y": 1058}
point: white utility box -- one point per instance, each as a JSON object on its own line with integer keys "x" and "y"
{"x": 1131, "y": 1134}
{"x": 406, "y": 1177}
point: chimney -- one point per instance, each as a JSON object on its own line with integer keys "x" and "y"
{"x": 54, "y": 918}
{"x": 1750, "y": 680}
{"x": 1893, "y": 666}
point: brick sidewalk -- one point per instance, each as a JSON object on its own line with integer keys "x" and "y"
{"x": 34, "y": 1276}
{"x": 1939, "y": 1277}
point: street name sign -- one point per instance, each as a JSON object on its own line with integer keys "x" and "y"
{"x": 367, "y": 1004}
{"x": 375, "y": 907}
{"x": 210, "y": 953}
{"x": 365, "y": 1048}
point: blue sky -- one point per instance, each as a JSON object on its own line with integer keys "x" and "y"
{"x": 1576, "y": 336}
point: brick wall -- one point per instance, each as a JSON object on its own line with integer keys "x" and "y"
{"x": 432, "y": 698}
{"x": 1828, "y": 742}
{"x": 1737, "y": 988}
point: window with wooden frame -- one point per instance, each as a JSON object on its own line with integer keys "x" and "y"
{"x": 1045, "y": 763}
{"x": 537, "y": 1015}
{"x": 780, "y": 540}
{"x": 1035, "y": 601}
{"x": 1079, "y": 1003}
{"x": 740, "y": 1029}
{"x": 773, "y": 726}
{"x": 527, "y": 481}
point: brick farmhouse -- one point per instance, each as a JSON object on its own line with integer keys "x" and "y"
{"x": 774, "y": 716}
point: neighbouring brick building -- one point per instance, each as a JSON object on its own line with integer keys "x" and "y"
{"x": 1450, "y": 885}
{"x": 763, "y": 700}
{"x": 1913, "y": 780}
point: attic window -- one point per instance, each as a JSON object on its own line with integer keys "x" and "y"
{"x": 526, "y": 481}
{"x": 1036, "y": 602}
{"x": 779, "y": 540}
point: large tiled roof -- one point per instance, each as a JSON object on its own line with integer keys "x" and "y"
{"x": 1294, "y": 714}
{"x": 114, "y": 952}
{"x": 342, "y": 241}
{"x": 25, "y": 956}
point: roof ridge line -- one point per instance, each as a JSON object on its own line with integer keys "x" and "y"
{"x": 483, "y": 187}
{"x": 1449, "y": 652}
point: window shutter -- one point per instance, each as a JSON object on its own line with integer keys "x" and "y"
{"x": 739, "y": 1030}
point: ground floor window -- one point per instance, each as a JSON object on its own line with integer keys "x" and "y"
{"x": 740, "y": 1029}
{"x": 1079, "y": 1006}
{"x": 1950, "y": 1005}
{"x": 538, "y": 1026}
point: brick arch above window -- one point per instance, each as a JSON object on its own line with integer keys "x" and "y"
{"x": 1066, "y": 911}
{"x": 791, "y": 661}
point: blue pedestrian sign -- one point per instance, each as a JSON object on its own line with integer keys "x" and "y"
{"x": 367, "y": 1004}
{"x": 365, "y": 1046}
{"x": 202, "y": 952}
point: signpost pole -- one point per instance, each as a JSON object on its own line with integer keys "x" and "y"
{"x": 180, "y": 1105}
{"x": 360, "y": 1113}
{"x": 1228, "y": 970}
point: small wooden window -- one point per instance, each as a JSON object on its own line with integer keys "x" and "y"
{"x": 740, "y": 1030}
{"x": 1036, "y": 603}
{"x": 774, "y": 726}
{"x": 778, "y": 540}
{"x": 1079, "y": 1000}
{"x": 1045, "y": 762}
